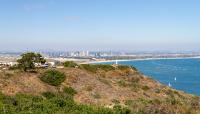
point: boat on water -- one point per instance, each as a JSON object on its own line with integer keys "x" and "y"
{"x": 169, "y": 84}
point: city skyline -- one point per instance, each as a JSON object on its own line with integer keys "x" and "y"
{"x": 129, "y": 25}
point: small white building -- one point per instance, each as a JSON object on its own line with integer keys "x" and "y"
{"x": 8, "y": 63}
{"x": 52, "y": 64}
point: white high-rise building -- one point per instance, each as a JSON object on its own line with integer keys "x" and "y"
{"x": 84, "y": 53}
{"x": 87, "y": 53}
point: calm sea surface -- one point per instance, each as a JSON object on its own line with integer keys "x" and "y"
{"x": 182, "y": 74}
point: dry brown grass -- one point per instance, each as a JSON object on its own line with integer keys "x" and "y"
{"x": 99, "y": 88}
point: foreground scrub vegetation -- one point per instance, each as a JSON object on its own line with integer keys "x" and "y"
{"x": 51, "y": 103}
{"x": 53, "y": 77}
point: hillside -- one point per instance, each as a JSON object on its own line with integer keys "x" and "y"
{"x": 108, "y": 87}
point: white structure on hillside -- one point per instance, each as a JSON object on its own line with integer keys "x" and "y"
{"x": 52, "y": 64}
{"x": 8, "y": 63}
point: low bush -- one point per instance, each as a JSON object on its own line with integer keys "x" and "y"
{"x": 129, "y": 102}
{"x": 134, "y": 68}
{"x": 69, "y": 91}
{"x": 121, "y": 110}
{"x": 122, "y": 83}
{"x": 123, "y": 67}
{"x": 70, "y": 64}
{"x": 145, "y": 88}
{"x": 89, "y": 67}
{"x": 53, "y": 77}
{"x": 115, "y": 101}
{"x": 14, "y": 67}
{"x": 94, "y": 67}
{"x": 105, "y": 67}
{"x": 134, "y": 79}
{"x": 48, "y": 95}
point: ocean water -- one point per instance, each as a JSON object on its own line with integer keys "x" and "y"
{"x": 182, "y": 74}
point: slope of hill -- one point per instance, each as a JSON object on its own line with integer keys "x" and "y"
{"x": 103, "y": 88}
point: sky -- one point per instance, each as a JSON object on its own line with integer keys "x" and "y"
{"x": 130, "y": 25}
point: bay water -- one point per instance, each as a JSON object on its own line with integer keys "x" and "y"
{"x": 181, "y": 74}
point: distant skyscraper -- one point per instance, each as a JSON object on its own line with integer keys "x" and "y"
{"x": 87, "y": 53}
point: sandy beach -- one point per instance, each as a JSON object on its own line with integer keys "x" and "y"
{"x": 104, "y": 61}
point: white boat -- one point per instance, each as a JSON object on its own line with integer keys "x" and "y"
{"x": 169, "y": 84}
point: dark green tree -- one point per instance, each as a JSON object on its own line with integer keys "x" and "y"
{"x": 28, "y": 61}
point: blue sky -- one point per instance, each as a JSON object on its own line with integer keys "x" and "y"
{"x": 132, "y": 25}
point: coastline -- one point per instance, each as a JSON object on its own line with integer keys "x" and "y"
{"x": 143, "y": 59}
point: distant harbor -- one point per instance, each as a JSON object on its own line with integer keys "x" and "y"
{"x": 85, "y": 57}
{"x": 179, "y": 73}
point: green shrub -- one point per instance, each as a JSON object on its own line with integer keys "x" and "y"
{"x": 89, "y": 67}
{"x": 94, "y": 67}
{"x": 172, "y": 100}
{"x": 120, "y": 110}
{"x": 9, "y": 100}
{"x": 123, "y": 67}
{"x": 129, "y": 102}
{"x": 70, "y": 64}
{"x": 48, "y": 95}
{"x": 53, "y": 77}
{"x": 145, "y": 88}
{"x": 105, "y": 67}
{"x": 122, "y": 83}
{"x": 134, "y": 68}
{"x": 115, "y": 101}
{"x": 69, "y": 91}
{"x": 60, "y": 102}
{"x": 134, "y": 79}
{"x": 14, "y": 67}
{"x": 135, "y": 87}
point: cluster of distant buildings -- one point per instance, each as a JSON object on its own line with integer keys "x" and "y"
{"x": 80, "y": 54}
{"x": 54, "y": 57}
{"x": 68, "y": 54}
{"x": 7, "y": 60}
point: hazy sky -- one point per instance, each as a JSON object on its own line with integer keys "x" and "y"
{"x": 100, "y": 24}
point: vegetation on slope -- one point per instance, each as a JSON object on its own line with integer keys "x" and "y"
{"x": 90, "y": 89}
{"x": 70, "y": 64}
{"x": 95, "y": 67}
{"x": 53, "y": 77}
{"x": 50, "y": 103}
{"x": 28, "y": 61}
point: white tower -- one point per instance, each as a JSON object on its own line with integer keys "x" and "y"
{"x": 116, "y": 62}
